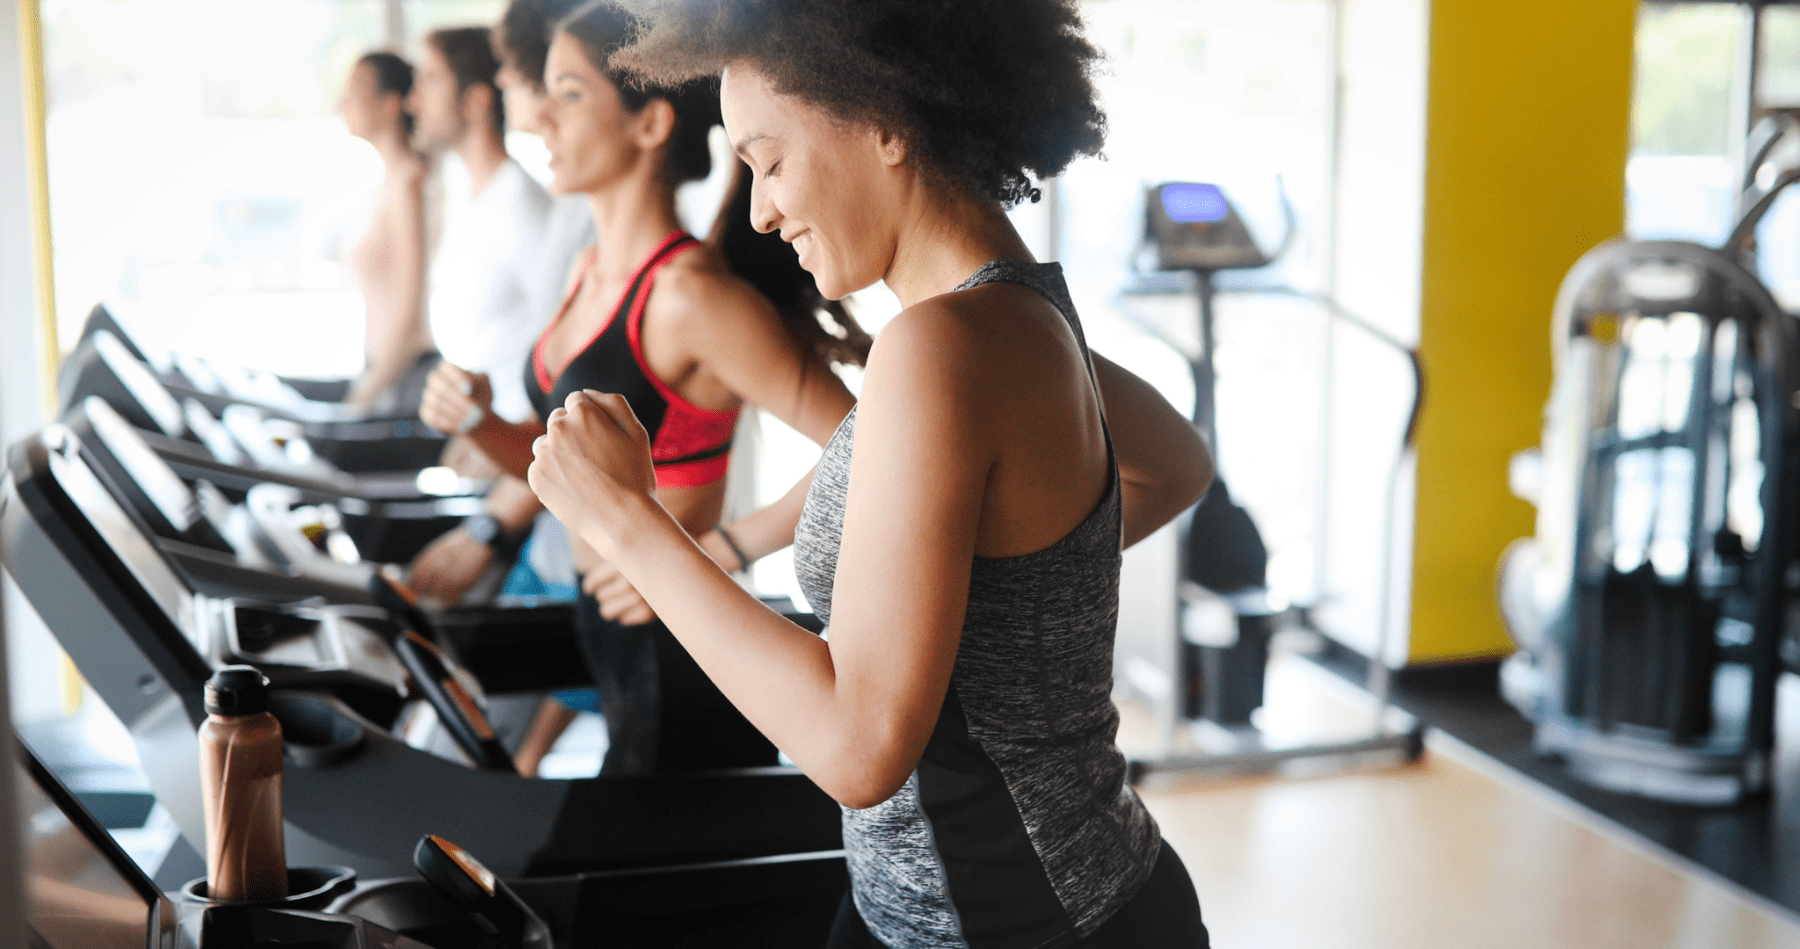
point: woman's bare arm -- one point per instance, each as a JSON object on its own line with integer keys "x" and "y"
{"x": 398, "y": 312}
{"x": 737, "y": 336}
{"x": 453, "y": 394}
{"x": 854, "y": 712}
{"x": 1164, "y": 464}
{"x": 762, "y": 531}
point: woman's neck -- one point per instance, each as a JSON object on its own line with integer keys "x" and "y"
{"x": 944, "y": 237}
{"x": 396, "y": 153}
{"x": 631, "y": 217}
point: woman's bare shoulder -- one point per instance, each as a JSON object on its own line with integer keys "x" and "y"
{"x": 973, "y": 321}
{"x": 971, "y": 341}
{"x": 699, "y": 286}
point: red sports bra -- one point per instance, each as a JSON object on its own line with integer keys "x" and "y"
{"x": 689, "y": 445}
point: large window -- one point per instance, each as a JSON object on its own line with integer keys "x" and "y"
{"x": 1685, "y": 127}
{"x": 1238, "y": 94}
{"x": 198, "y": 172}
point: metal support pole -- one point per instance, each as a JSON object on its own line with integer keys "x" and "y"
{"x": 1745, "y": 88}
{"x": 1334, "y": 174}
{"x": 1205, "y": 377}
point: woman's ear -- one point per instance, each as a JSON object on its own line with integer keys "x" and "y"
{"x": 890, "y": 146}
{"x": 654, "y": 124}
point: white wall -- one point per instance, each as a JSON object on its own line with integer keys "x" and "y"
{"x": 1378, "y": 241}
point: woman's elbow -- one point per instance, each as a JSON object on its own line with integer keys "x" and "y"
{"x": 1183, "y": 470}
{"x": 859, "y": 795}
{"x": 863, "y": 778}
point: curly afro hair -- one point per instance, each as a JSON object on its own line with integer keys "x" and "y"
{"x": 987, "y": 94}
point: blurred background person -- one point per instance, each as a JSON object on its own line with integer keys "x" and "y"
{"x": 522, "y": 43}
{"x": 489, "y": 254}
{"x": 389, "y": 261}
{"x": 450, "y": 566}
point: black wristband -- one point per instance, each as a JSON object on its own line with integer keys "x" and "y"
{"x": 736, "y": 551}
{"x": 487, "y": 529}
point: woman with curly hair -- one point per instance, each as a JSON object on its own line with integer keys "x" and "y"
{"x": 962, "y": 536}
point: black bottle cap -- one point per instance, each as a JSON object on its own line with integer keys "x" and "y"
{"x": 237, "y": 690}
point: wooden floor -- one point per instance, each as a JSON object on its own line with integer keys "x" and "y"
{"x": 1455, "y": 851}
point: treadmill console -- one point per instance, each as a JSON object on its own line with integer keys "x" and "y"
{"x": 348, "y": 651}
{"x": 103, "y": 366}
{"x": 120, "y": 533}
{"x": 165, "y": 501}
{"x": 1193, "y": 226}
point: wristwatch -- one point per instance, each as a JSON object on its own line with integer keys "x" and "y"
{"x": 487, "y": 530}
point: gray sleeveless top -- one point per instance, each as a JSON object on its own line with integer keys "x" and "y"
{"x": 1017, "y": 828}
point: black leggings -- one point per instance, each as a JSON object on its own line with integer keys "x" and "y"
{"x": 1165, "y": 914}
{"x": 662, "y": 713}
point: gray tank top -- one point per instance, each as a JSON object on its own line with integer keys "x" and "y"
{"x": 1017, "y": 828}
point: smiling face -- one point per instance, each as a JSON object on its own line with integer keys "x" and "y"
{"x": 834, "y": 190}
{"x": 593, "y": 139}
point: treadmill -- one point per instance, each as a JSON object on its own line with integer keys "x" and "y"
{"x": 349, "y": 437}
{"x": 390, "y": 515}
{"x": 351, "y": 692}
{"x": 271, "y": 545}
{"x": 83, "y": 892}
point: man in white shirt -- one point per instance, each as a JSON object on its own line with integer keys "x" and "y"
{"x": 485, "y": 299}
{"x": 453, "y": 566}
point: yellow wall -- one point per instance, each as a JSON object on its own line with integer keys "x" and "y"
{"x": 1528, "y": 126}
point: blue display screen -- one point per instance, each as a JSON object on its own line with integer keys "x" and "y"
{"x": 1194, "y": 204}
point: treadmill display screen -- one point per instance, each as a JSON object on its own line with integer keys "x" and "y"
{"x": 128, "y": 543}
{"x": 1194, "y": 203}
{"x": 76, "y": 896}
{"x": 141, "y": 383}
{"x": 164, "y": 487}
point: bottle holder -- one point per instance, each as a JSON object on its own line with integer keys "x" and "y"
{"x": 309, "y": 888}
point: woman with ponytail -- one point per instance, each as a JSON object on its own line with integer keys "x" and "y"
{"x": 688, "y": 334}
{"x": 389, "y": 261}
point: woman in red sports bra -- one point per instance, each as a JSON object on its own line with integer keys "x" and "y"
{"x": 687, "y": 332}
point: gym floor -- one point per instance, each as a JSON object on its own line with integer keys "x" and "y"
{"x": 1456, "y": 850}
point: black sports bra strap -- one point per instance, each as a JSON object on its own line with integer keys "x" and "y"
{"x": 629, "y": 300}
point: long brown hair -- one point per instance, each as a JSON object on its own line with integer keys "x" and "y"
{"x": 764, "y": 261}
